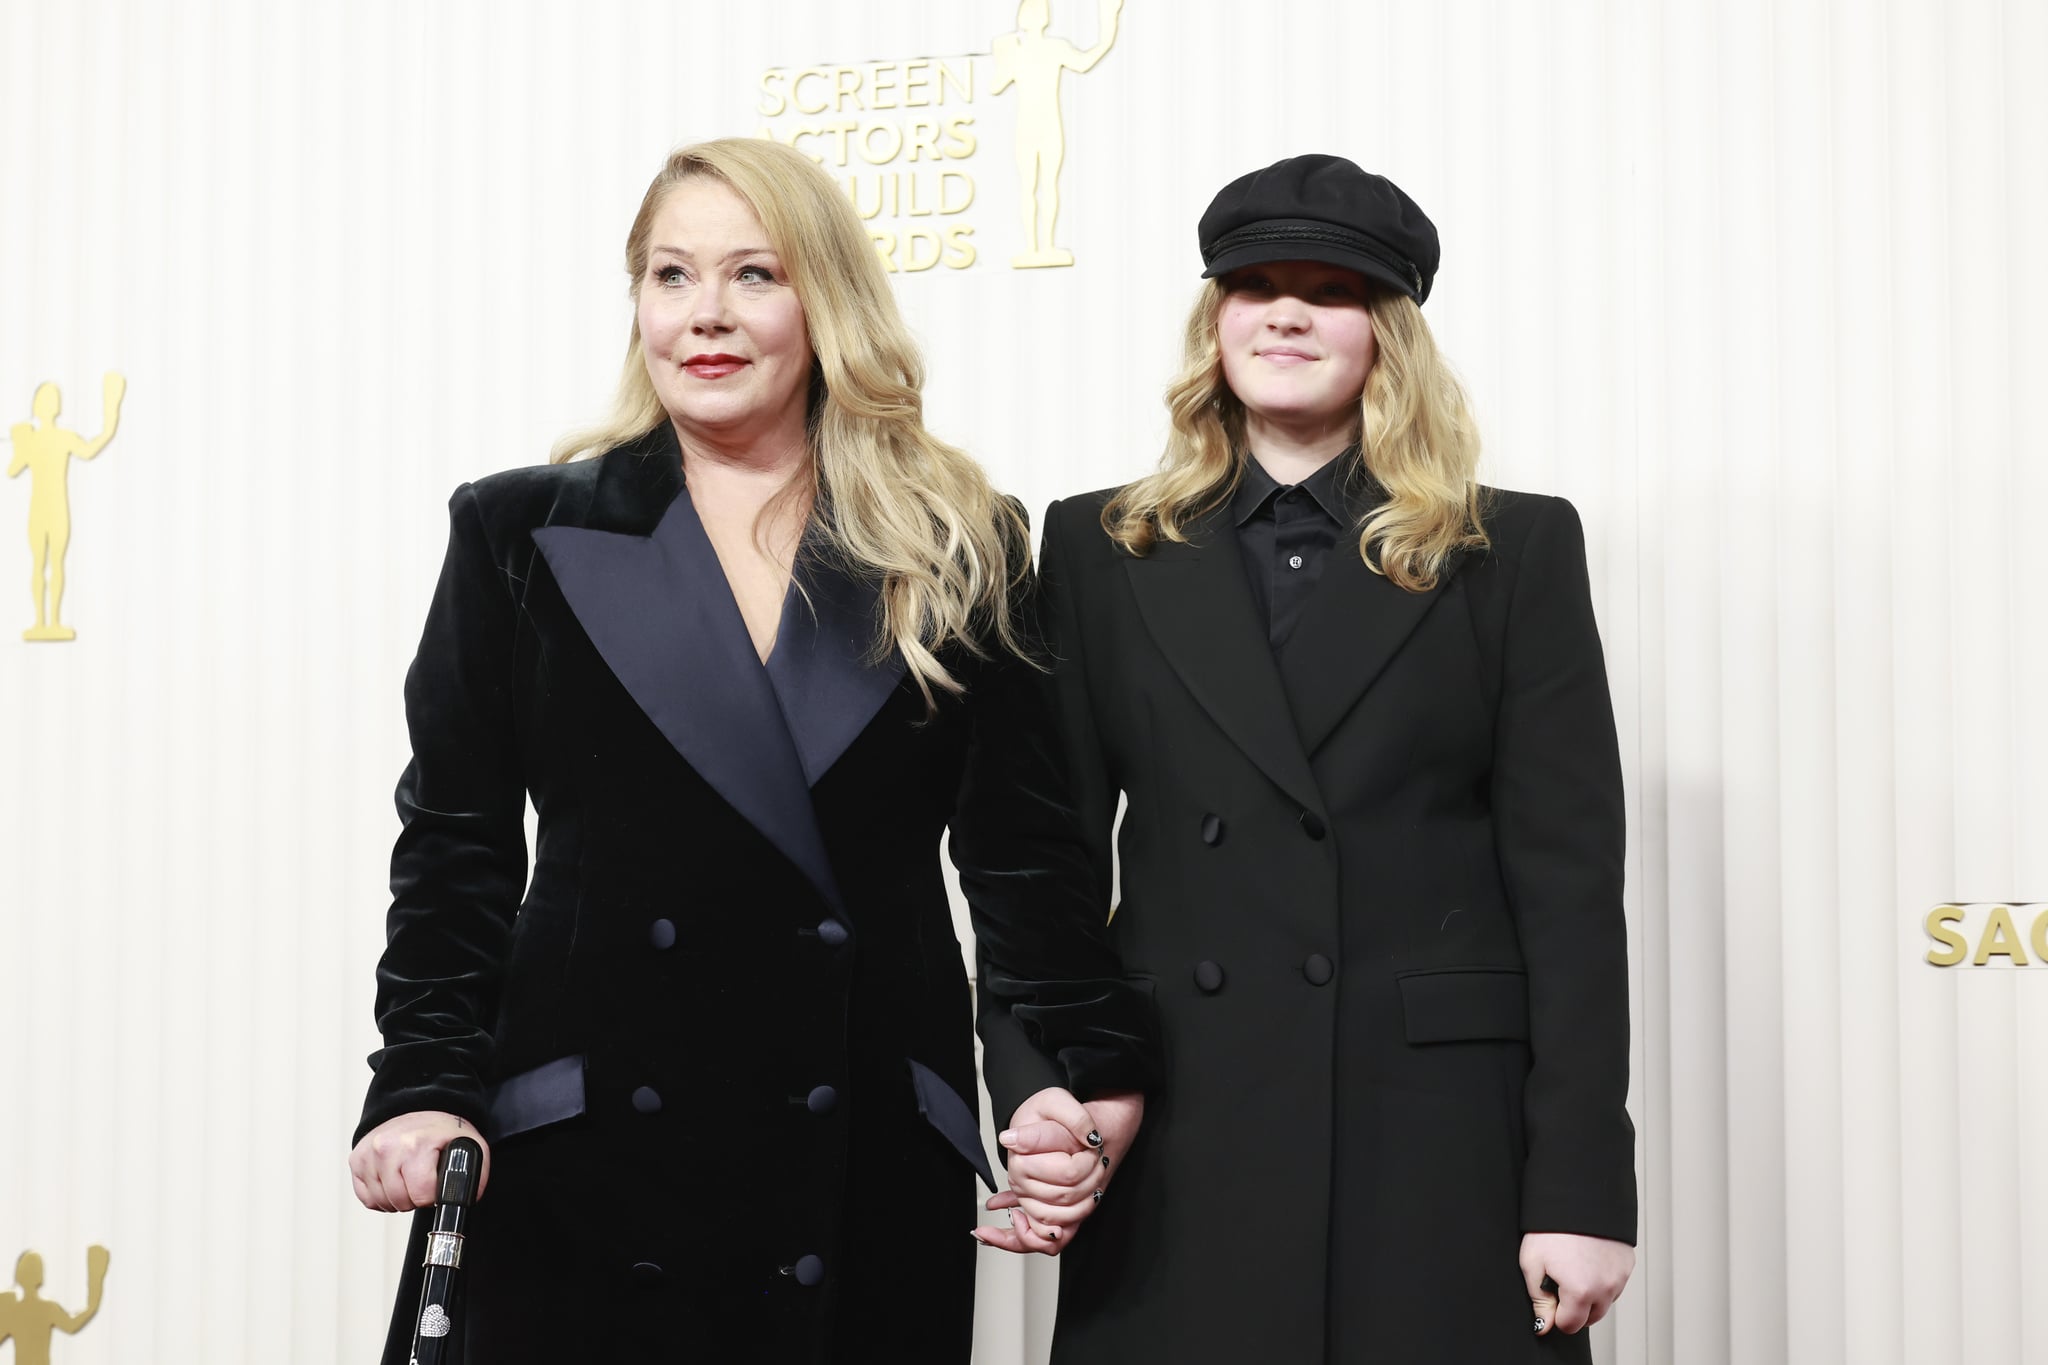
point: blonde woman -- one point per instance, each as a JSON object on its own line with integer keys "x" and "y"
{"x": 1372, "y": 857}
{"x": 749, "y": 649}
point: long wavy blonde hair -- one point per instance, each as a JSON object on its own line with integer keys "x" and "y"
{"x": 1415, "y": 432}
{"x": 892, "y": 501}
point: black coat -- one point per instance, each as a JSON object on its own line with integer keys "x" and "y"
{"x": 721, "y": 1040}
{"x": 1375, "y": 886}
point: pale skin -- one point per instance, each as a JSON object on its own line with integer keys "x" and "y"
{"x": 1054, "y": 1171}
{"x": 730, "y": 358}
{"x": 1297, "y": 344}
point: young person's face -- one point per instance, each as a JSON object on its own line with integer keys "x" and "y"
{"x": 722, "y": 329}
{"x": 1297, "y": 341}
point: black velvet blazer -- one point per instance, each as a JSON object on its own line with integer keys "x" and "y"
{"x": 720, "y": 1036}
{"x": 1375, "y": 884}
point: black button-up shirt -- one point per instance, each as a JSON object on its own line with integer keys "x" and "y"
{"x": 1286, "y": 531}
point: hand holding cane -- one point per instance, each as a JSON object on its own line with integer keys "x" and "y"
{"x": 455, "y": 1190}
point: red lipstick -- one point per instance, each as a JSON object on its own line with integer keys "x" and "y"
{"x": 714, "y": 365}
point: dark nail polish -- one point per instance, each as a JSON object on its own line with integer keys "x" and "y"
{"x": 1105, "y": 1163}
{"x": 1539, "y": 1327}
{"x": 1095, "y": 1140}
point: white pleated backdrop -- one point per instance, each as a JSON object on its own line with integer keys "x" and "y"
{"x": 1760, "y": 286}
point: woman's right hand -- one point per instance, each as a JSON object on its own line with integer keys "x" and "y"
{"x": 397, "y": 1163}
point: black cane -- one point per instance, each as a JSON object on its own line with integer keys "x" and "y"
{"x": 461, "y": 1164}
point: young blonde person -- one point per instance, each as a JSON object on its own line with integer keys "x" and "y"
{"x": 1371, "y": 861}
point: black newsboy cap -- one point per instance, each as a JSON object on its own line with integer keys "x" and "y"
{"x": 1321, "y": 208}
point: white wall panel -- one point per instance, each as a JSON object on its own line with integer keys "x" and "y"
{"x": 1756, "y": 283}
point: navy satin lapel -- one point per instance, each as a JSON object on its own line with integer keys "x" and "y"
{"x": 956, "y": 1119}
{"x": 1198, "y": 607}
{"x": 1354, "y": 623}
{"x": 658, "y": 609}
{"x": 820, "y": 668}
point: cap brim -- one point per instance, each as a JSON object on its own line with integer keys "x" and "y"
{"x": 1264, "y": 253}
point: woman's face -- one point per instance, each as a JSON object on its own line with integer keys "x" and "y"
{"x": 722, "y": 329}
{"x": 1297, "y": 342}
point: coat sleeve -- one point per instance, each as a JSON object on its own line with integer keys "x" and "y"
{"x": 1559, "y": 829}
{"x": 1055, "y": 1008}
{"x": 459, "y": 866}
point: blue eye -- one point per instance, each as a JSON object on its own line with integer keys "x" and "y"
{"x": 668, "y": 274}
{"x": 756, "y": 274}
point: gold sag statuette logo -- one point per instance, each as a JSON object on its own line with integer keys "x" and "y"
{"x": 30, "y": 1319}
{"x": 1978, "y": 932}
{"x": 46, "y": 450}
{"x": 1034, "y": 63}
{"x": 900, "y": 169}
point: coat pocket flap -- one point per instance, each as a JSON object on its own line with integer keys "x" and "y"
{"x": 549, "y": 1093}
{"x": 1466, "y": 1005}
{"x": 954, "y": 1117}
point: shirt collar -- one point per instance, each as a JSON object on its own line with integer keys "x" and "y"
{"x": 1334, "y": 487}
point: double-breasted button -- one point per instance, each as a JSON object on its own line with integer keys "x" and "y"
{"x": 1212, "y": 830}
{"x": 832, "y": 932}
{"x": 1208, "y": 977}
{"x": 645, "y": 1274}
{"x": 809, "y": 1271}
{"x": 1318, "y": 969}
{"x": 662, "y": 934}
{"x": 822, "y": 1100}
{"x": 1312, "y": 825}
{"x": 647, "y": 1100}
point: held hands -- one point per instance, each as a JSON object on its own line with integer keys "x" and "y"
{"x": 1573, "y": 1279}
{"x": 1063, "y": 1155}
{"x": 396, "y": 1163}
